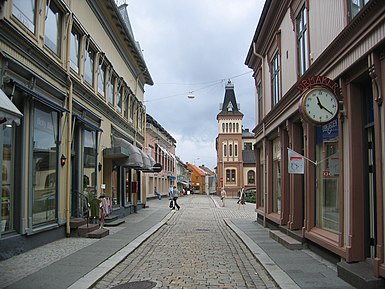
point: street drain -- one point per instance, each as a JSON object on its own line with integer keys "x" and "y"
{"x": 136, "y": 285}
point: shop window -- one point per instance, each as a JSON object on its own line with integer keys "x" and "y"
{"x": 25, "y": 12}
{"x": 302, "y": 41}
{"x": 327, "y": 175}
{"x": 7, "y": 185}
{"x": 251, "y": 177}
{"x": 276, "y": 177}
{"x": 275, "y": 79}
{"x": 261, "y": 195}
{"x": 89, "y": 161}
{"x": 44, "y": 165}
{"x": 53, "y": 30}
{"x": 74, "y": 50}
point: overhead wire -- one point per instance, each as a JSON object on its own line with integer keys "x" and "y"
{"x": 211, "y": 83}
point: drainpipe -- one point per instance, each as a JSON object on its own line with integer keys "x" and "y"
{"x": 264, "y": 139}
{"x": 69, "y": 137}
{"x": 69, "y": 142}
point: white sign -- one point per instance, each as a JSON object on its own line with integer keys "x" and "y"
{"x": 296, "y": 164}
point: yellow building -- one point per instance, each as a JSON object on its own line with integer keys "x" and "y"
{"x": 76, "y": 76}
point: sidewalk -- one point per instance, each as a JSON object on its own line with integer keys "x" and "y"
{"x": 78, "y": 262}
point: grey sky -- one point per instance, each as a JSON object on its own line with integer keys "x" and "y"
{"x": 195, "y": 46}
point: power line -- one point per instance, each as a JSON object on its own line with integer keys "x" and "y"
{"x": 211, "y": 83}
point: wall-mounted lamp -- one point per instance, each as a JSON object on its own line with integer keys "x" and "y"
{"x": 63, "y": 160}
{"x": 100, "y": 166}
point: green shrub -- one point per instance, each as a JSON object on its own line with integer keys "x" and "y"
{"x": 250, "y": 197}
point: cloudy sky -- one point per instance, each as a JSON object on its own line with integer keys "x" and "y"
{"x": 195, "y": 47}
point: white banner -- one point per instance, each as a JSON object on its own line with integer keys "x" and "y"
{"x": 296, "y": 162}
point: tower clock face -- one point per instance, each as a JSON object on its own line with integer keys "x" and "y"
{"x": 319, "y": 105}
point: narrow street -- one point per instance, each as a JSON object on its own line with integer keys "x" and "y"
{"x": 195, "y": 249}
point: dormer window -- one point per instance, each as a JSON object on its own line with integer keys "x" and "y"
{"x": 230, "y": 107}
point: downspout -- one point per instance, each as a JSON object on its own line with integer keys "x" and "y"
{"x": 264, "y": 139}
{"x": 69, "y": 143}
{"x": 69, "y": 137}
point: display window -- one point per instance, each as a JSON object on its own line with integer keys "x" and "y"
{"x": 327, "y": 177}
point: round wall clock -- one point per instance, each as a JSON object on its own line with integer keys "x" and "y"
{"x": 319, "y": 105}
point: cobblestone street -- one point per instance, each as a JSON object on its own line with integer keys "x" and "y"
{"x": 196, "y": 249}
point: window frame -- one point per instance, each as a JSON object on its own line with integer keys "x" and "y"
{"x": 302, "y": 32}
{"x": 51, "y": 44}
{"x": 275, "y": 78}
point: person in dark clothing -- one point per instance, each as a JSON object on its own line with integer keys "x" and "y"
{"x": 175, "y": 196}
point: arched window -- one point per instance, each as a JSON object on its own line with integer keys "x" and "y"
{"x": 237, "y": 127}
{"x": 230, "y": 127}
{"x": 224, "y": 150}
{"x": 223, "y": 127}
{"x": 227, "y": 127}
{"x": 235, "y": 150}
{"x": 231, "y": 150}
{"x": 251, "y": 177}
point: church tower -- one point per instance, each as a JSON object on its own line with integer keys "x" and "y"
{"x": 229, "y": 144}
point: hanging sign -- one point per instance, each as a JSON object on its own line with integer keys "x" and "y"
{"x": 296, "y": 162}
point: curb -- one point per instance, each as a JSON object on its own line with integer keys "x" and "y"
{"x": 278, "y": 275}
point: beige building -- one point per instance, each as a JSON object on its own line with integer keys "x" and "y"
{"x": 76, "y": 77}
{"x": 160, "y": 146}
{"x": 320, "y": 80}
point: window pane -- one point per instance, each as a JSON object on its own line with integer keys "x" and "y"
{"x": 327, "y": 175}
{"x": 53, "y": 28}
{"x": 101, "y": 84}
{"x": 25, "y": 12}
{"x": 119, "y": 101}
{"x": 8, "y": 194}
{"x": 44, "y": 168}
{"x": 74, "y": 52}
{"x": 89, "y": 67}
{"x": 110, "y": 95}
{"x": 276, "y": 177}
{"x": 89, "y": 162}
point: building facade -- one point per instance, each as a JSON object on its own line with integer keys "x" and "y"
{"x": 198, "y": 179}
{"x": 161, "y": 147}
{"x": 230, "y": 143}
{"x": 321, "y": 176}
{"x": 77, "y": 76}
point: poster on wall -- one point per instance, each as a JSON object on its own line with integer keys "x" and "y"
{"x": 296, "y": 162}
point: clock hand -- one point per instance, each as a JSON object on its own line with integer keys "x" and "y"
{"x": 322, "y": 107}
{"x": 327, "y": 110}
{"x": 319, "y": 103}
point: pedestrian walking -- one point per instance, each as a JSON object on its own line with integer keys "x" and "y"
{"x": 157, "y": 194}
{"x": 175, "y": 196}
{"x": 170, "y": 190}
{"x": 241, "y": 199}
{"x": 223, "y": 196}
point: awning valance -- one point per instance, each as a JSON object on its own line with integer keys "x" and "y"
{"x": 124, "y": 154}
{"x": 8, "y": 111}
